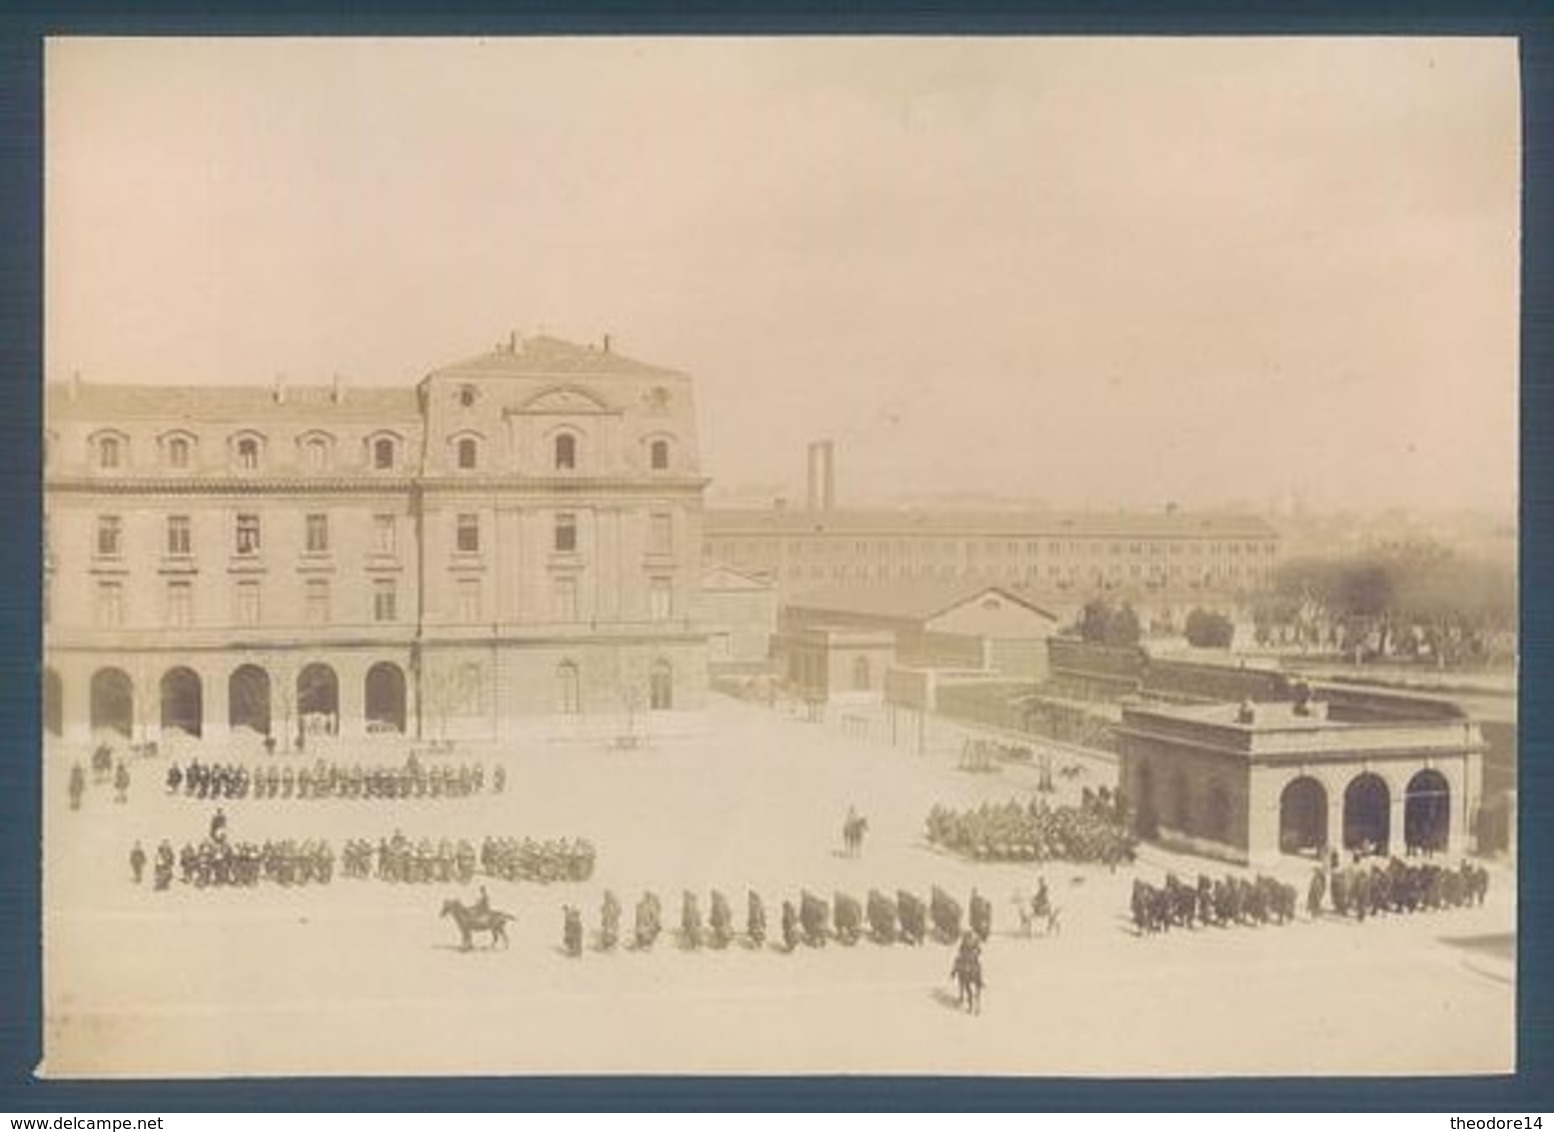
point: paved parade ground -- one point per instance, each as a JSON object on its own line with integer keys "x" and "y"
{"x": 363, "y": 977}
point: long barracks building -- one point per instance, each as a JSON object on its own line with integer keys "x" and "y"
{"x": 513, "y": 544}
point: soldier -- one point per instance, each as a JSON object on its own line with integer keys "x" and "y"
{"x": 790, "y": 925}
{"x": 722, "y": 920}
{"x": 498, "y": 779}
{"x": 137, "y": 861}
{"x": 572, "y": 931}
{"x": 755, "y": 920}
{"x": 218, "y": 826}
{"x": 77, "y": 786}
{"x": 174, "y": 778}
{"x": 482, "y": 905}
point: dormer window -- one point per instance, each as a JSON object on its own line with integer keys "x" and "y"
{"x": 467, "y": 396}
{"x": 110, "y": 453}
{"x": 566, "y": 452}
{"x": 468, "y": 453}
{"x": 383, "y": 453}
{"x": 178, "y": 451}
{"x": 658, "y": 456}
{"x": 315, "y": 453}
{"x": 248, "y": 454}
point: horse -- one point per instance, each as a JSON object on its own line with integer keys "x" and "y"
{"x": 853, "y": 830}
{"x": 967, "y": 973}
{"x": 472, "y": 920}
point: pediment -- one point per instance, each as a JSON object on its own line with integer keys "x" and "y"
{"x": 564, "y": 399}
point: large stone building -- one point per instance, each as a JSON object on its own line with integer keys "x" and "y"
{"x": 1165, "y": 563}
{"x": 514, "y": 544}
{"x": 1351, "y": 770}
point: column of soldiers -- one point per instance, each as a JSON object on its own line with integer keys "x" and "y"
{"x": 1362, "y": 890}
{"x": 324, "y": 779}
{"x": 1094, "y": 831}
{"x": 810, "y": 921}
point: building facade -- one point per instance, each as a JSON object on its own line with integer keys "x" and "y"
{"x": 512, "y": 545}
{"x": 1158, "y": 561}
{"x": 1348, "y": 771}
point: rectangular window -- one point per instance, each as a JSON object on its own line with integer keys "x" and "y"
{"x": 469, "y": 600}
{"x": 384, "y": 600}
{"x": 564, "y": 599}
{"x": 110, "y": 604}
{"x": 316, "y": 604}
{"x": 110, "y": 532}
{"x": 246, "y": 603}
{"x": 247, "y": 534}
{"x": 383, "y": 528}
{"x": 660, "y": 534}
{"x": 566, "y": 533}
{"x": 180, "y": 604}
{"x": 316, "y": 534}
{"x": 179, "y": 540}
{"x": 467, "y": 538}
{"x": 661, "y": 599}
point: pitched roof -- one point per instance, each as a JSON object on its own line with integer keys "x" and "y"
{"x": 915, "y": 601}
{"x": 991, "y": 524}
{"x": 245, "y": 404}
{"x": 718, "y": 575}
{"x": 546, "y": 356}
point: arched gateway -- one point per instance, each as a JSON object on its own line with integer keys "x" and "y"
{"x": 1367, "y": 814}
{"x": 1303, "y": 817}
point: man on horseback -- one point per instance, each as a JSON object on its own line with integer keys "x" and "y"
{"x": 967, "y": 972}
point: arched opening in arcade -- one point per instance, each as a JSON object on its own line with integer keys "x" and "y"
{"x": 248, "y": 699}
{"x": 182, "y": 701}
{"x": 1303, "y": 817}
{"x": 1367, "y": 815}
{"x": 113, "y": 702}
{"x": 1181, "y": 800}
{"x": 1427, "y": 813}
{"x": 661, "y": 687}
{"x": 318, "y": 701}
{"x": 53, "y": 703}
{"x": 385, "y": 698}
{"x": 1148, "y": 820}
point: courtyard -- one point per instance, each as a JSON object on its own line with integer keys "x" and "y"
{"x": 362, "y": 977}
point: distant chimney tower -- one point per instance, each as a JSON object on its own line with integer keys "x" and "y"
{"x": 606, "y": 343}
{"x": 512, "y": 342}
{"x": 337, "y": 393}
{"x": 812, "y": 478}
{"x": 822, "y": 475}
{"x": 75, "y": 384}
{"x": 280, "y": 389}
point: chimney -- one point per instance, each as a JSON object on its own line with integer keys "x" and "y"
{"x": 75, "y": 384}
{"x": 828, "y": 482}
{"x": 812, "y": 478}
{"x": 280, "y": 389}
{"x": 606, "y": 343}
{"x": 512, "y": 342}
{"x": 337, "y": 394}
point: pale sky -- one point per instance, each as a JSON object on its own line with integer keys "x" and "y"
{"x": 1103, "y": 272}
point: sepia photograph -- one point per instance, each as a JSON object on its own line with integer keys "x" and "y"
{"x": 792, "y": 556}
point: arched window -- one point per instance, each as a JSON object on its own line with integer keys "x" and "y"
{"x": 178, "y": 452}
{"x": 658, "y": 457}
{"x": 110, "y": 452}
{"x": 315, "y": 453}
{"x": 248, "y": 454}
{"x": 383, "y": 453}
{"x": 566, "y": 452}
{"x": 468, "y": 453}
{"x": 661, "y": 686}
{"x": 568, "y": 697}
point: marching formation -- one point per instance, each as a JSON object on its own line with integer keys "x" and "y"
{"x": 1363, "y": 891}
{"x": 324, "y": 779}
{"x": 222, "y": 863}
{"x": 1094, "y": 831}
{"x": 811, "y": 921}
{"x": 1213, "y": 903}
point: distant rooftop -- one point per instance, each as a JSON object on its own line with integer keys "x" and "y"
{"x": 244, "y": 404}
{"x": 543, "y": 356}
{"x": 1044, "y": 524}
{"x": 917, "y": 601}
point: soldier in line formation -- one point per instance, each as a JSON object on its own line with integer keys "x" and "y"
{"x": 811, "y": 921}
{"x": 512, "y": 858}
{"x": 1218, "y": 903}
{"x": 1397, "y": 886}
{"x": 241, "y": 863}
{"x": 324, "y": 779}
{"x": 400, "y": 861}
{"x": 1095, "y": 830}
